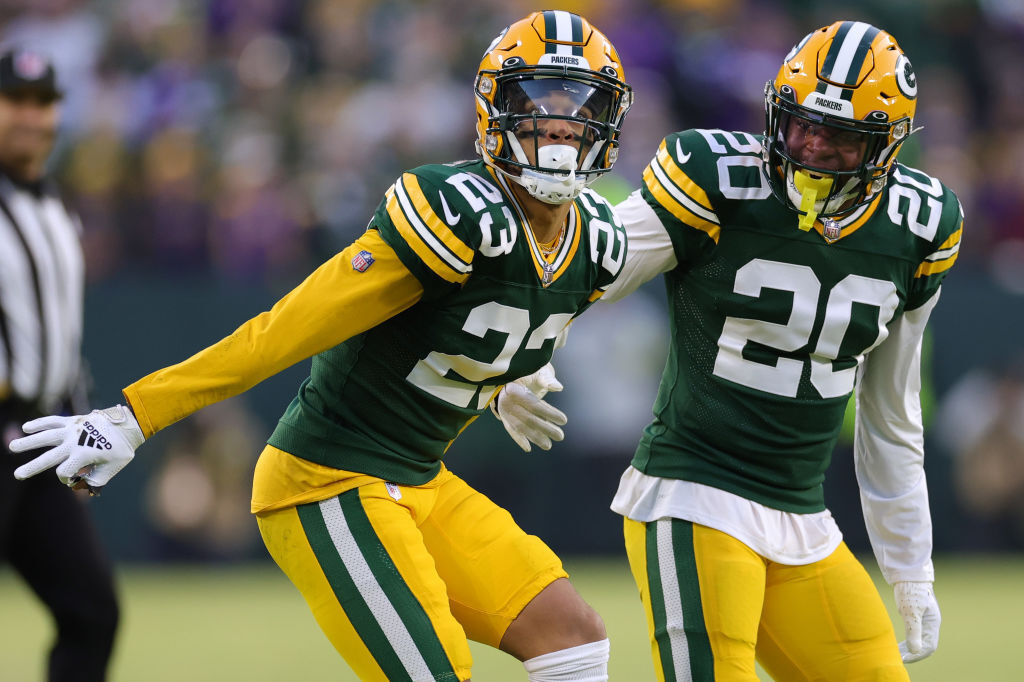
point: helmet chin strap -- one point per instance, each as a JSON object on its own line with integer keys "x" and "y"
{"x": 551, "y": 188}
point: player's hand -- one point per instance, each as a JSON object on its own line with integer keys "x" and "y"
{"x": 86, "y": 449}
{"x": 921, "y": 618}
{"x": 526, "y": 417}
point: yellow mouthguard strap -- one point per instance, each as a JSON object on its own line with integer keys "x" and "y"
{"x": 810, "y": 189}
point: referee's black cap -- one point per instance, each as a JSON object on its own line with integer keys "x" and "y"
{"x": 25, "y": 71}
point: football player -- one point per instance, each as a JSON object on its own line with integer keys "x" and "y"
{"x": 799, "y": 265}
{"x": 466, "y": 277}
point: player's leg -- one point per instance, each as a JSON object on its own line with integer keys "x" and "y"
{"x": 55, "y": 548}
{"x": 509, "y": 589}
{"x": 826, "y": 621}
{"x": 702, "y": 591}
{"x": 360, "y": 562}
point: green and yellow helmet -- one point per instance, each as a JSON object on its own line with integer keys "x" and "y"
{"x": 850, "y": 77}
{"x": 550, "y": 56}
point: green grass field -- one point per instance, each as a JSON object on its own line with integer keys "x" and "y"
{"x": 248, "y": 624}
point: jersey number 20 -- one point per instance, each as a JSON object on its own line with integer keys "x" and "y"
{"x": 783, "y": 378}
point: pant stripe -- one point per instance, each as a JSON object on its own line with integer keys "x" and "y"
{"x": 702, "y": 663}
{"x": 381, "y": 607}
{"x": 675, "y": 602}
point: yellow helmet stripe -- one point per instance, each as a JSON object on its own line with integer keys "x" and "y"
{"x": 668, "y": 196}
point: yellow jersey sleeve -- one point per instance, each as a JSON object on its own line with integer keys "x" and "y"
{"x": 354, "y": 291}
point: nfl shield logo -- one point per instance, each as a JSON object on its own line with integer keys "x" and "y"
{"x": 362, "y": 260}
{"x": 831, "y": 230}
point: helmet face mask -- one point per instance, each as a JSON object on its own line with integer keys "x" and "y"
{"x": 536, "y": 105}
{"x": 551, "y": 80}
{"x": 836, "y": 116}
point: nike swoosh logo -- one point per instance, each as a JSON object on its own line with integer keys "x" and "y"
{"x": 683, "y": 158}
{"x": 449, "y": 217}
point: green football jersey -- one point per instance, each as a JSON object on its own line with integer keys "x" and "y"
{"x": 390, "y": 401}
{"x": 769, "y": 323}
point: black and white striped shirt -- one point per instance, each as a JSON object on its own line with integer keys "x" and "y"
{"x": 42, "y": 278}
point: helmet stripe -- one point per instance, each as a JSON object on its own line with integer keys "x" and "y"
{"x": 577, "y": 35}
{"x": 563, "y": 23}
{"x": 845, "y": 58}
{"x": 560, "y": 29}
{"x": 858, "y": 60}
{"x": 550, "y": 31}
{"x": 833, "y": 51}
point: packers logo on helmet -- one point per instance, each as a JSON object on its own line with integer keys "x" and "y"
{"x": 551, "y": 76}
{"x": 849, "y": 84}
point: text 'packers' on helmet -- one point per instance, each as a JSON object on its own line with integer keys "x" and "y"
{"x": 836, "y": 115}
{"x": 550, "y": 99}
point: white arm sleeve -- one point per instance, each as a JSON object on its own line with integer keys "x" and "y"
{"x": 650, "y": 251}
{"x": 889, "y": 451}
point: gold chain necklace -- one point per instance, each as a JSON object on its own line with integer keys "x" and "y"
{"x": 552, "y": 246}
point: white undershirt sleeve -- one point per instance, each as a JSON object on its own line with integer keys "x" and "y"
{"x": 889, "y": 451}
{"x": 650, "y": 251}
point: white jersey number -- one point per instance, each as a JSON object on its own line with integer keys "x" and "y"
{"x": 431, "y": 373}
{"x": 783, "y": 378}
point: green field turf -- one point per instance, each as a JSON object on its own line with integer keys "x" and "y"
{"x": 248, "y": 624}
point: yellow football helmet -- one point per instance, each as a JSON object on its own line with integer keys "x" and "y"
{"x": 551, "y": 67}
{"x": 852, "y": 82}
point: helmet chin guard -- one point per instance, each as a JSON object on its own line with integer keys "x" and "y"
{"x": 556, "y": 187}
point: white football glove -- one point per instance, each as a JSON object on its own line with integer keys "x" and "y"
{"x": 87, "y": 448}
{"x": 921, "y": 618}
{"x": 523, "y": 413}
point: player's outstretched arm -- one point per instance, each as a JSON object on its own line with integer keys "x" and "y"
{"x": 525, "y": 415}
{"x": 86, "y": 449}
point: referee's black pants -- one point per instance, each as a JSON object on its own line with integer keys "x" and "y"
{"x": 48, "y": 537}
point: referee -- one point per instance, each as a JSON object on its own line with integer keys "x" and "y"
{"x": 45, "y": 531}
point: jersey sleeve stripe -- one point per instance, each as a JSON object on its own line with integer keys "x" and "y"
{"x": 943, "y": 259}
{"x": 416, "y": 243}
{"x": 429, "y": 237}
{"x": 596, "y": 294}
{"x": 667, "y": 199}
{"x": 440, "y": 229}
{"x": 701, "y": 205}
{"x": 951, "y": 244}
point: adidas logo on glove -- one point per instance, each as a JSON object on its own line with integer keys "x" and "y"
{"x": 92, "y": 438}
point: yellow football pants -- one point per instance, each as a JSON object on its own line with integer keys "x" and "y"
{"x": 399, "y": 577}
{"x": 714, "y": 606}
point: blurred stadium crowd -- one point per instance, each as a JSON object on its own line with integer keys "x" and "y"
{"x": 250, "y": 138}
{"x": 245, "y": 141}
